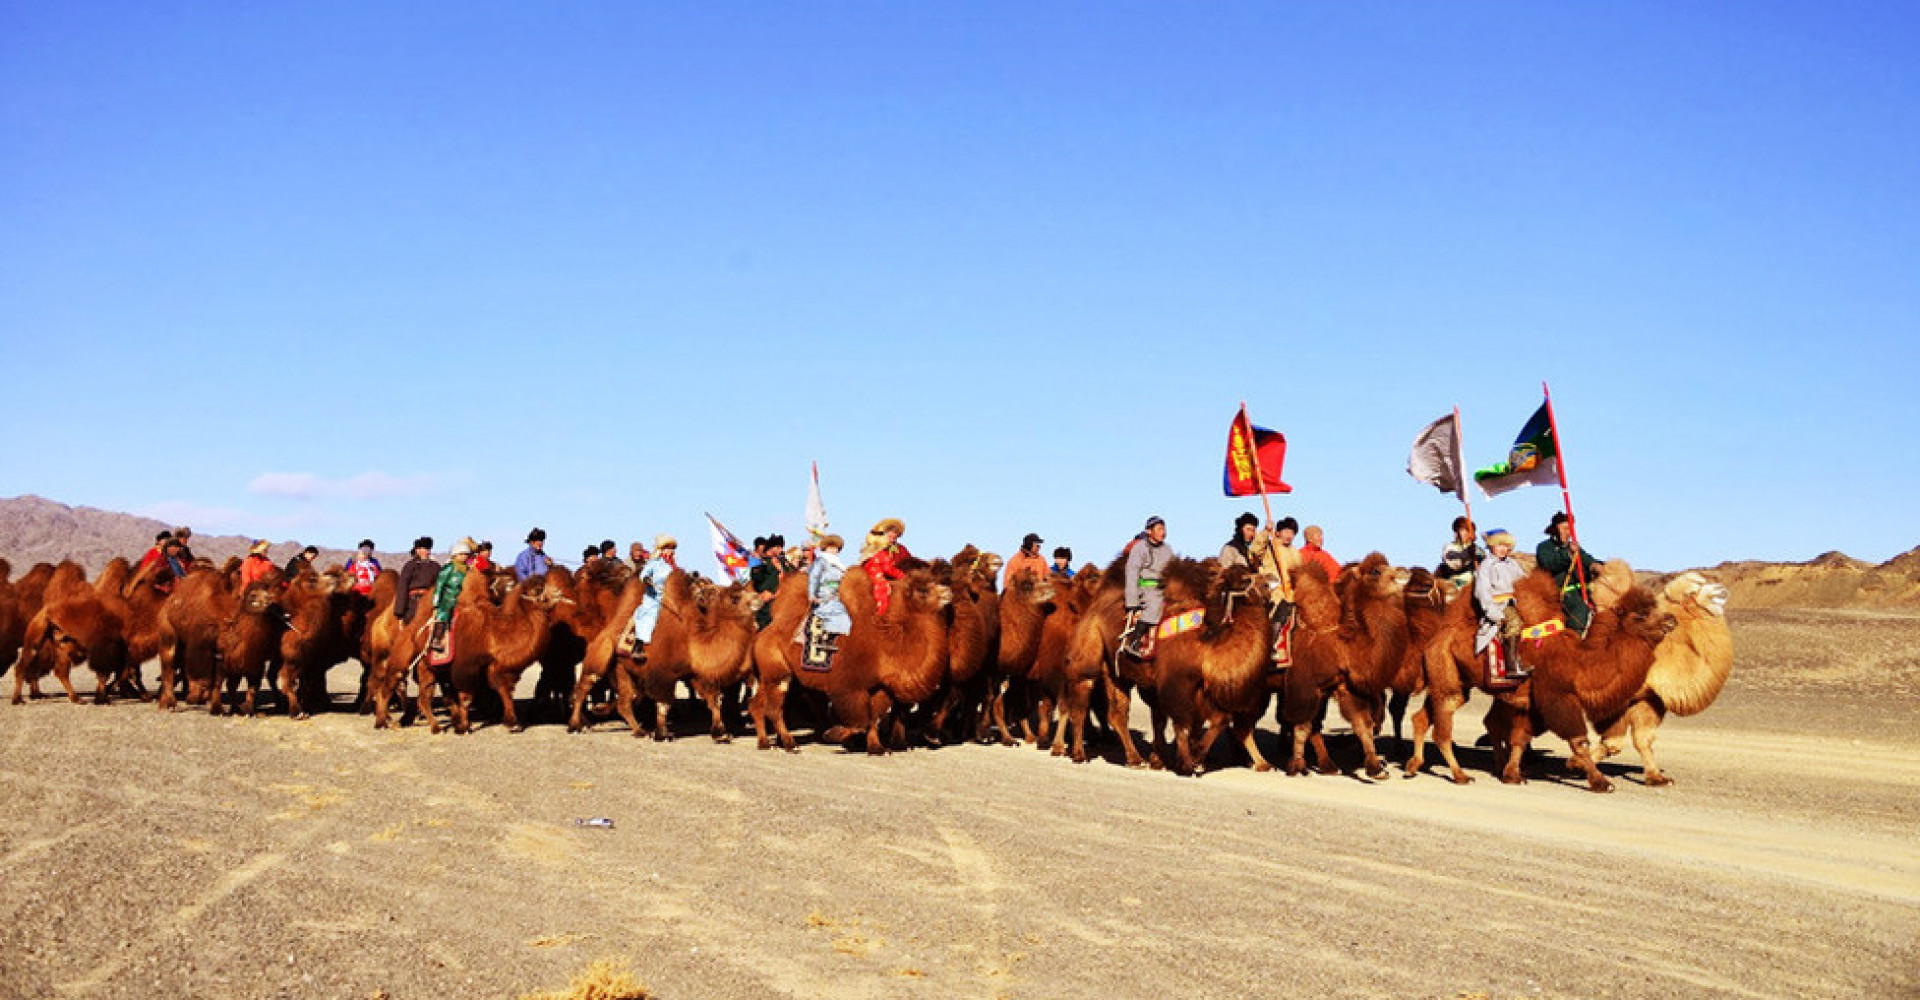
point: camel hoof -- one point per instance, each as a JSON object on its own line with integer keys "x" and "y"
{"x": 1295, "y": 769}
{"x": 516, "y": 728}
{"x": 1262, "y": 767}
{"x": 765, "y": 744}
{"x": 722, "y": 738}
{"x": 1658, "y": 780}
{"x": 1602, "y": 786}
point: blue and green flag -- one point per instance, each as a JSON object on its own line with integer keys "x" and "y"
{"x": 1533, "y": 461}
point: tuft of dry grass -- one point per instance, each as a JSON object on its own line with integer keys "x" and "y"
{"x": 606, "y": 979}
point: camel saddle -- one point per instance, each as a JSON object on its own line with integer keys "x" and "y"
{"x": 820, "y": 645}
{"x": 440, "y": 650}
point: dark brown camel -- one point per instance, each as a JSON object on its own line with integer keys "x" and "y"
{"x": 1216, "y": 677}
{"x": 492, "y": 646}
{"x": 1024, "y": 607}
{"x": 973, "y": 638}
{"x": 1052, "y": 677}
{"x": 1373, "y": 627}
{"x": 655, "y": 673}
{"x": 317, "y": 611}
{"x": 1322, "y": 658}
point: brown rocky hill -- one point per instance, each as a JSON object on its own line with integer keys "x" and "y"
{"x": 34, "y": 529}
{"x": 1831, "y": 580}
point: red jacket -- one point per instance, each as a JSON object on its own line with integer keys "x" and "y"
{"x": 885, "y": 564}
{"x": 1315, "y": 554}
{"x": 254, "y": 568}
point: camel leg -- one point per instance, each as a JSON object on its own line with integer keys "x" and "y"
{"x": 101, "y": 684}
{"x": 1416, "y": 758}
{"x": 459, "y": 708}
{"x": 879, "y": 707}
{"x": 290, "y": 687}
{"x": 1118, "y": 708}
{"x": 1297, "y": 761}
{"x": 1044, "y": 735}
{"x": 503, "y": 682}
{"x": 19, "y": 671}
{"x": 1080, "y": 705}
{"x": 1643, "y": 722}
{"x": 1320, "y": 754}
{"x": 1397, "y": 712}
{"x": 423, "y": 676}
{"x": 251, "y": 704}
{"x": 1245, "y": 732}
{"x": 770, "y": 703}
{"x": 61, "y": 672}
{"x": 1360, "y": 715}
{"x": 719, "y": 730}
{"x": 1583, "y": 760}
{"x": 1442, "y": 716}
{"x": 625, "y": 693}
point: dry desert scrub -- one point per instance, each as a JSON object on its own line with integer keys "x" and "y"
{"x": 607, "y": 979}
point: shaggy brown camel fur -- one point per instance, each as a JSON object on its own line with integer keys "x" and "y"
{"x": 900, "y": 660}
{"x": 375, "y": 635}
{"x": 1574, "y": 679}
{"x": 13, "y": 622}
{"x": 589, "y": 601}
{"x": 317, "y": 611}
{"x": 1323, "y": 646}
{"x": 657, "y": 675}
{"x": 249, "y": 643}
{"x": 1216, "y": 677}
{"x": 396, "y": 646}
{"x": 776, "y": 657}
{"x": 1424, "y": 601}
{"x": 1690, "y": 666}
{"x": 190, "y": 623}
{"x": 1052, "y": 677}
{"x": 973, "y": 638}
{"x": 81, "y": 627}
{"x": 1095, "y": 649}
{"x": 720, "y": 633}
{"x": 1024, "y": 607}
{"x": 492, "y": 646}
{"x": 1373, "y": 625}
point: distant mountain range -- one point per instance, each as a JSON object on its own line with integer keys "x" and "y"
{"x": 34, "y": 529}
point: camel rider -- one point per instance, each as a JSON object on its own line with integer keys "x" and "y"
{"x": 880, "y": 556}
{"x": 1147, "y": 557}
{"x": 1556, "y": 555}
{"x": 364, "y": 568}
{"x": 1276, "y": 562}
{"x": 1027, "y": 560}
{"x": 257, "y": 566}
{"x": 416, "y": 578}
{"x": 1239, "y": 549}
{"x": 446, "y": 591}
{"x": 653, "y": 584}
{"x": 1493, "y": 583}
{"x": 533, "y": 560}
{"x": 829, "y": 620}
{"x": 764, "y": 576}
{"x": 1063, "y": 562}
{"x": 1460, "y": 556}
{"x": 302, "y": 561}
{"x": 483, "y": 557}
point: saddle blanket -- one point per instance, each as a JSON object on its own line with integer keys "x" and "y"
{"x": 1181, "y": 623}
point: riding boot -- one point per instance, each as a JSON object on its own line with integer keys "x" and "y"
{"x": 437, "y": 641}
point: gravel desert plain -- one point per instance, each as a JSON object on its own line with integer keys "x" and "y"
{"x": 148, "y": 854}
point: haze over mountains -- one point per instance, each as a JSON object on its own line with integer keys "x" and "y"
{"x": 34, "y": 529}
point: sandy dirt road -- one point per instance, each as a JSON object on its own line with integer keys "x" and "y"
{"x": 152, "y": 855}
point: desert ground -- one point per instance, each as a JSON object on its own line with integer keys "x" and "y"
{"x": 154, "y": 855}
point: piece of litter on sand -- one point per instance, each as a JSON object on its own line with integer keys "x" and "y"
{"x": 597, "y": 822}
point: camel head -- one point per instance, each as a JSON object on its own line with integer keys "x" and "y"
{"x": 1233, "y": 591}
{"x": 1694, "y": 596}
{"x": 1422, "y": 587}
{"x": 1374, "y": 575}
{"x": 1028, "y": 587}
{"x": 923, "y": 592}
{"x": 986, "y": 566}
{"x": 257, "y": 599}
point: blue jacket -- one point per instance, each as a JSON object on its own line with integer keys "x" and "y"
{"x": 531, "y": 562}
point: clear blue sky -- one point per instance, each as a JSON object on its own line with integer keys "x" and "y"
{"x": 320, "y": 271}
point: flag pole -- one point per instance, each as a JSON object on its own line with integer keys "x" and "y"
{"x": 1260, "y": 480}
{"x": 1566, "y": 497}
{"x": 1460, "y": 463}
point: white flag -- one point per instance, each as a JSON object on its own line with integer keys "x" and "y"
{"x": 816, "y": 508}
{"x": 1436, "y": 457}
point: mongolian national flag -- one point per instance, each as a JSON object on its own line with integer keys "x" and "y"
{"x": 1534, "y": 460}
{"x": 727, "y": 550}
{"x": 1254, "y": 458}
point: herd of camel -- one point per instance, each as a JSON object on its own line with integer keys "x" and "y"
{"x": 954, "y": 657}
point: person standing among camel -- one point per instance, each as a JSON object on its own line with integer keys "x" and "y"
{"x": 830, "y": 620}
{"x": 1027, "y": 560}
{"x": 1312, "y": 552}
{"x": 446, "y": 591}
{"x": 1147, "y": 558}
{"x": 1556, "y": 555}
{"x": 1493, "y": 583}
{"x": 532, "y": 560}
{"x": 1239, "y": 549}
{"x": 880, "y": 556}
{"x": 653, "y": 583}
{"x": 416, "y": 578}
{"x": 1460, "y": 556}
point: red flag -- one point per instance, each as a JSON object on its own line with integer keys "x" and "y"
{"x": 1254, "y": 458}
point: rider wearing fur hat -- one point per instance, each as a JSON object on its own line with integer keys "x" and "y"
{"x": 1239, "y": 549}
{"x": 416, "y": 578}
{"x": 829, "y": 620}
{"x": 1027, "y": 560}
{"x": 1557, "y": 555}
{"x": 1147, "y": 557}
{"x": 880, "y": 556}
